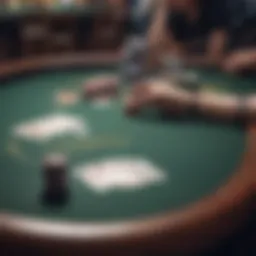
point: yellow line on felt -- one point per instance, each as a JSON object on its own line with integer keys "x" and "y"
{"x": 15, "y": 150}
{"x": 213, "y": 88}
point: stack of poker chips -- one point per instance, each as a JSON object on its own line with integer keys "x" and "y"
{"x": 55, "y": 179}
{"x": 174, "y": 70}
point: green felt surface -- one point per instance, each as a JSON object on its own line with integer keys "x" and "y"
{"x": 220, "y": 82}
{"x": 196, "y": 156}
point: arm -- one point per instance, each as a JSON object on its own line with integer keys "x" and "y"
{"x": 214, "y": 52}
{"x": 159, "y": 36}
{"x": 240, "y": 61}
{"x": 157, "y": 31}
{"x": 218, "y": 13}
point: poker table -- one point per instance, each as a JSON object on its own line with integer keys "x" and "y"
{"x": 136, "y": 184}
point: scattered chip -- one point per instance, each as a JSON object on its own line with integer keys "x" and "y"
{"x": 101, "y": 86}
{"x": 67, "y": 98}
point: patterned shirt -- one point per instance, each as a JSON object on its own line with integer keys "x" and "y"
{"x": 140, "y": 14}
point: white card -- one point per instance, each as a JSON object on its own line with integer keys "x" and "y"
{"x": 125, "y": 174}
{"x": 45, "y": 128}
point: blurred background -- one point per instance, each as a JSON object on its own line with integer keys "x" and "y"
{"x": 39, "y": 27}
{"x": 33, "y": 28}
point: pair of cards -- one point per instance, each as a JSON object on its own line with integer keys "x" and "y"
{"x": 119, "y": 173}
{"x": 49, "y": 127}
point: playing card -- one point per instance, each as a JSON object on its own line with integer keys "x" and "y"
{"x": 46, "y": 128}
{"x": 124, "y": 173}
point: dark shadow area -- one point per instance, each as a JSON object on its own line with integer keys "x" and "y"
{"x": 157, "y": 116}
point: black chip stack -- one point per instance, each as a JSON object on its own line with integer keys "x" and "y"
{"x": 55, "y": 179}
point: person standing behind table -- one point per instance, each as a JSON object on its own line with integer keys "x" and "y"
{"x": 179, "y": 23}
{"x": 139, "y": 16}
{"x": 242, "y": 55}
{"x": 135, "y": 50}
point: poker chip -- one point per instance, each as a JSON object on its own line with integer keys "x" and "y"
{"x": 101, "y": 86}
{"x": 67, "y": 98}
{"x": 55, "y": 159}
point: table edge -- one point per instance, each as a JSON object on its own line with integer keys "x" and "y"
{"x": 197, "y": 225}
